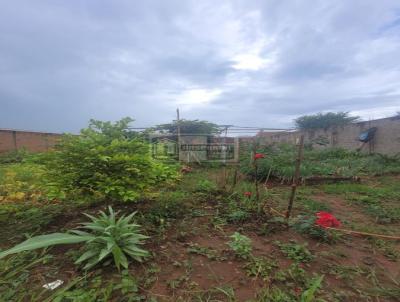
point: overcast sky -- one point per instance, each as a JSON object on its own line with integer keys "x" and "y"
{"x": 247, "y": 63}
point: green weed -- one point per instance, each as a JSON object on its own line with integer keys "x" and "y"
{"x": 220, "y": 293}
{"x": 347, "y": 273}
{"x": 15, "y": 272}
{"x": 387, "y": 248}
{"x": 274, "y": 294}
{"x": 206, "y": 186}
{"x": 241, "y": 245}
{"x": 294, "y": 273}
{"x": 295, "y": 251}
{"x": 204, "y": 251}
{"x": 260, "y": 267}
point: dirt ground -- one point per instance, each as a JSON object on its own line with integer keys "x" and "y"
{"x": 193, "y": 262}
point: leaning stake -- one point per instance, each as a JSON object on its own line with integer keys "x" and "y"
{"x": 296, "y": 177}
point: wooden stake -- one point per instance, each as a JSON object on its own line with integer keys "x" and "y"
{"x": 179, "y": 133}
{"x": 296, "y": 176}
{"x": 235, "y": 175}
{"x": 224, "y": 154}
{"x": 256, "y": 171}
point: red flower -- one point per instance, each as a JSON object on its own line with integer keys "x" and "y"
{"x": 248, "y": 194}
{"x": 297, "y": 291}
{"x": 258, "y": 155}
{"x": 325, "y": 219}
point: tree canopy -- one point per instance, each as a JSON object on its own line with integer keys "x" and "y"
{"x": 324, "y": 120}
{"x": 190, "y": 127}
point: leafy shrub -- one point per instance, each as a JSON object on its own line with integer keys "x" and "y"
{"x": 241, "y": 245}
{"x": 13, "y": 157}
{"x": 105, "y": 161}
{"x": 25, "y": 181}
{"x": 106, "y": 236}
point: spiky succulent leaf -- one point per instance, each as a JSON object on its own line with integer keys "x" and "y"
{"x": 45, "y": 241}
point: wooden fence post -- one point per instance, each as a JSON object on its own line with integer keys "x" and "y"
{"x": 296, "y": 176}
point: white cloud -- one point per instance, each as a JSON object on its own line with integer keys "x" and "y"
{"x": 197, "y": 97}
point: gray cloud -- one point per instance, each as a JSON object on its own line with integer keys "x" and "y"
{"x": 250, "y": 63}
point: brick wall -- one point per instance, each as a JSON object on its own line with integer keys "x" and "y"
{"x": 11, "y": 140}
{"x": 386, "y": 140}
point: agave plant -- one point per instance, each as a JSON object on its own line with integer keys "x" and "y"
{"x": 104, "y": 236}
{"x": 111, "y": 236}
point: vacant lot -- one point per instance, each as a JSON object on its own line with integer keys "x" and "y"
{"x": 194, "y": 258}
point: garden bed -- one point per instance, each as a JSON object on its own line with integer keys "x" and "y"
{"x": 192, "y": 261}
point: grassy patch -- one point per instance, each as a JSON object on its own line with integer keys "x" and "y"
{"x": 378, "y": 198}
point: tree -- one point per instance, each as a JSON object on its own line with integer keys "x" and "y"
{"x": 324, "y": 120}
{"x": 190, "y": 126}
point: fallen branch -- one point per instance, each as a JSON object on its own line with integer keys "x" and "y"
{"x": 350, "y": 231}
{"x": 365, "y": 233}
{"x": 279, "y": 213}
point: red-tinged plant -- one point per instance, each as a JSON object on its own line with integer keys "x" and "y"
{"x": 258, "y": 156}
{"x": 186, "y": 169}
{"x": 325, "y": 219}
{"x": 298, "y": 291}
{"x": 247, "y": 194}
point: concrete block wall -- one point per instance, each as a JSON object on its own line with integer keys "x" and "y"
{"x": 386, "y": 140}
{"x": 11, "y": 140}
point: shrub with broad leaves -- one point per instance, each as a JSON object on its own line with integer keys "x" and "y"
{"x": 107, "y": 161}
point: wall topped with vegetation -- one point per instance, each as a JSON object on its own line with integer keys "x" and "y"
{"x": 386, "y": 139}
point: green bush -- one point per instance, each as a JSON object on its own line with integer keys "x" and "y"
{"x": 25, "y": 181}
{"x": 106, "y": 161}
{"x": 13, "y": 156}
